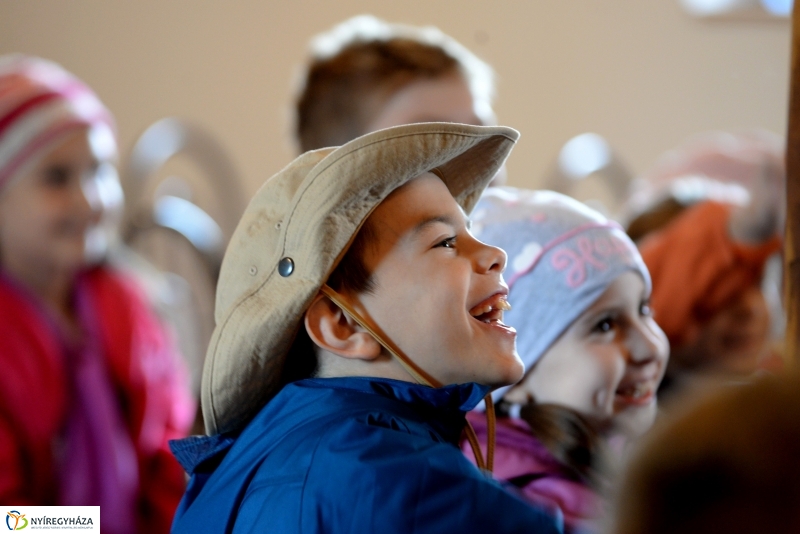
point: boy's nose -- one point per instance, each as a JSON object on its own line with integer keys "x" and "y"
{"x": 492, "y": 258}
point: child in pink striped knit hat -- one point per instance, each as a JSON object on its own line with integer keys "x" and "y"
{"x": 91, "y": 389}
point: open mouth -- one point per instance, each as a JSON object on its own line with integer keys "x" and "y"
{"x": 491, "y": 310}
{"x": 637, "y": 393}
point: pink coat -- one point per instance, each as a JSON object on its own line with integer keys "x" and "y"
{"x": 521, "y": 460}
{"x": 35, "y": 394}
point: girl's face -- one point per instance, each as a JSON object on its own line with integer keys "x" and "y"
{"x": 608, "y": 364}
{"x": 48, "y": 215}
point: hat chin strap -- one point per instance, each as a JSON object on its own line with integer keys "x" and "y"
{"x": 421, "y": 377}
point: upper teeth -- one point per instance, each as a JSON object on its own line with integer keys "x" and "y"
{"x": 636, "y": 391}
{"x": 500, "y": 304}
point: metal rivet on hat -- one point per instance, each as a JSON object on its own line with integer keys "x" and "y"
{"x": 253, "y": 270}
{"x": 286, "y": 266}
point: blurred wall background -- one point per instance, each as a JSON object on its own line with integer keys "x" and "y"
{"x": 643, "y": 74}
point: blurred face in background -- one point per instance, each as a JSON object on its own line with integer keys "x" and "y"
{"x": 50, "y": 212}
{"x": 445, "y": 98}
{"x": 735, "y": 340}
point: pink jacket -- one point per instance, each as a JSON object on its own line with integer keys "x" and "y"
{"x": 35, "y": 395}
{"x": 521, "y": 460}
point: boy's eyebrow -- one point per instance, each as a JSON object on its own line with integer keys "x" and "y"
{"x": 444, "y": 219}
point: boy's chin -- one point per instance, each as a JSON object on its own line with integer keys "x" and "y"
{"x": 506, "y": 375}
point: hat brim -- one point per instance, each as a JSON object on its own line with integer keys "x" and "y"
{"x": 310, "y": 212}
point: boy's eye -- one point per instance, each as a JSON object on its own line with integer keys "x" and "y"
{"x": 450, "y": 242}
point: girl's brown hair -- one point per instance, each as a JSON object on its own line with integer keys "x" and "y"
{"x": 573, "y": 439}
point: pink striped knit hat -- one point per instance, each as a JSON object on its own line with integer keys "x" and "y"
{"x": 39, "y": 103}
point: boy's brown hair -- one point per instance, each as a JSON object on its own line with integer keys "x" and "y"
{"x": 350, "y": 276}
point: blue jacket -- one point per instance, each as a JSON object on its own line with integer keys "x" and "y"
{"x": 349, "y": 455}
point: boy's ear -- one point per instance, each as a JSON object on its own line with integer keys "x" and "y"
{"x": 333, "y": 330}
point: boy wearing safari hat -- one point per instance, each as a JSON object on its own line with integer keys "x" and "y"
{"x": 357, "y": 321}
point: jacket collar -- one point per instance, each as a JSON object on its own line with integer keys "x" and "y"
{"x": 457, "y": 397}
{"x": 444, "y": 408}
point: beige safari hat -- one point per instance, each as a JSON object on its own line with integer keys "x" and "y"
{"x": 297, "y": 228}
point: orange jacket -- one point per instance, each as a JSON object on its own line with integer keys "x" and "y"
{"x": 697, "y": 268}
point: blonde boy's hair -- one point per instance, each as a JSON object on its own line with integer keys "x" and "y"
{"x": 359, "y": 64}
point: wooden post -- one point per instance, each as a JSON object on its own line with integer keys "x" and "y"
{"x": 792, "y": 238}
